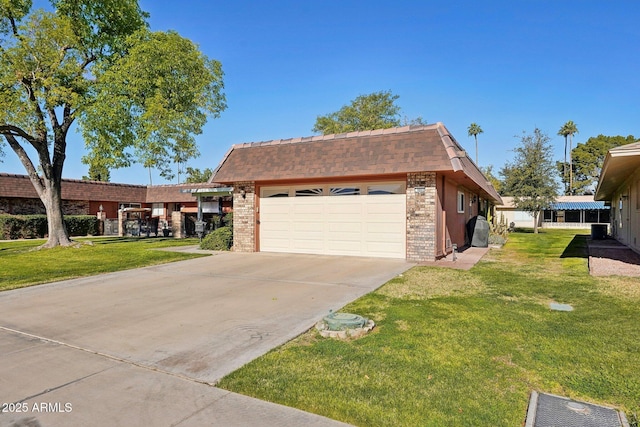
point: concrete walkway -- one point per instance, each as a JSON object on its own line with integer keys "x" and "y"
{"x": 145, "y": 347}
{"x": 464, "y": 260}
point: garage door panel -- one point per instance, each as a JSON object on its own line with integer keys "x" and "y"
{"x": 307, "y": 246}
{"x": 357, "y": 225}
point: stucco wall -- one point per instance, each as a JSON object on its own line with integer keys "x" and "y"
{"x": 625, "y": 212}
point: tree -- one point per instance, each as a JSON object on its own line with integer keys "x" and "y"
{"x": 196, "y": 175}
{"x": 493, "y": 180}
{"x": 567, "y": 131}
{"x": 367, "y": 112}
{"x": 473, "y": 130}
{"x": 588, "y": 158}
{"x": 135, "y": 94}
{"x": 529, "y": 178}
{"x": 98, "y": 173}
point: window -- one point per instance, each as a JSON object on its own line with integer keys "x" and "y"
{"x": 460, "y": 202}
{"x": 275, "y": 192}
{"x": 392, "y": 188}
{"x": 309, "y": 192}
{"x": 344, "y": 191}
{"x": 158, "y": 209}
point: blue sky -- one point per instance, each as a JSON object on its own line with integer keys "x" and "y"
{"x": 509, "y": 66}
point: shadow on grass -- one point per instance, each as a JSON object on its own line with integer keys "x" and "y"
{"x": 110, "y": 240}
{"x": 577, "y": 248}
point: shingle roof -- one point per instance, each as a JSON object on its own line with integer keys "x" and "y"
{"x": 400, "y": 150}
{"x": 19, "y": 186}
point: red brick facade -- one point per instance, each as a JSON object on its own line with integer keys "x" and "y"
{"x": 19, "y": 197}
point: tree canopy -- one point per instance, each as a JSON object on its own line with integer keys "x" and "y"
{"x": 97, "y": 173}
{"x": 136, "y": 95}
{"x": 474, "y": 130}
{"x": 197, "y": 175}
{"x": 529, "y": 178}
{"x": 588, "y": 158}
{"x": 377, "y": 110}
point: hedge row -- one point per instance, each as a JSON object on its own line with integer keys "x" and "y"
{"x": 34, "y": 226}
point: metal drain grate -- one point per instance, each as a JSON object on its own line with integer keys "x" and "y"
{"x": 548, "y": 410}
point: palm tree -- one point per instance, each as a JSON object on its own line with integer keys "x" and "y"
{"x": 568, "y": 130}
{"x": 473, "y": 130}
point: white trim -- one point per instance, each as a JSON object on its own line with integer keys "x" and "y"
{"x": 326, "y": 188}
{"x": 460, "y": 201}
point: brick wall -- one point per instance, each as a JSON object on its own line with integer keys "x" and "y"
{"x": 244, "y": 216}
{"x": 421, "y": 216}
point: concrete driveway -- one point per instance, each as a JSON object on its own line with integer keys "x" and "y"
{"x": 146, "y": 347}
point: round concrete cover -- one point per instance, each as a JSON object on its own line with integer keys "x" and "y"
{"x": 342, "y": 321}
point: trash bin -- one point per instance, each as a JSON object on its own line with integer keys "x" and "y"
{"x": 480, "y": 236}
{"x": 598, "y": 231}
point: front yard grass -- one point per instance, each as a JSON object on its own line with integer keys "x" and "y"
{"x": 466, "y": 348}
{"x": 22, "y": 265}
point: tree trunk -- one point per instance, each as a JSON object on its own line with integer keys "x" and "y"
{"x": 570, "y": 165}
{"x": 535, "y": 222}
{"x": 52, "y": 199}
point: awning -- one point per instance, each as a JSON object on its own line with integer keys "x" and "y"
{"x": 212, "y": 191}
{"x": 577, "y": 206}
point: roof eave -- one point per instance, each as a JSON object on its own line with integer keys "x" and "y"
{"x": 618, "y": 165}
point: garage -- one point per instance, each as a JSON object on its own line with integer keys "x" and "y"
{"x": 354, "y": 219}
{"x": 405, "y": 192}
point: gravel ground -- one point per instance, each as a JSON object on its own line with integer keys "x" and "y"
{"x": 609, "y": 257}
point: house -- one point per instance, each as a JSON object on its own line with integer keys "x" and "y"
{"x": 19, "y": 197}
{"x": 567, "y": 212}
{"x": 619, "y": 187}
{"x": 168, "y": 205}
{"x": 404, "y": 192}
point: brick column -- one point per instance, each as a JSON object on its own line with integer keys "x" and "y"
{"x": 244, "y": 216}
{"x": 421, "y": 216}
{"x": 120, "y": 224}
{"x": 177, "y": 226}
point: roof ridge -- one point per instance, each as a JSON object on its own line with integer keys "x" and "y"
{"x": 316, "y": 138}
{"x": 76, "y": 180}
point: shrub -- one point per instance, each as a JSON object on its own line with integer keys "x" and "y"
{"x": 220, "y": 239}
{"x": 22, "y": 226}
{"x": 227, "y": 220}
{"x": 35, "y": 226}
{"x": 82, "y": 225}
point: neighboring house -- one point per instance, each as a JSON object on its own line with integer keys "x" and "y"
{"x": 106, "y": 199}
{"x": 619, "y": 187}
{"x": 566, "y": 212}
{"x": 404, "y": 192}
{"x": 19, "y": 197}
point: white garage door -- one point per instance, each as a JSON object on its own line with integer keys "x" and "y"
{"x": 359, "y": 225}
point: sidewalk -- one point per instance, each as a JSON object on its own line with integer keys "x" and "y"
{"x": 465, "y": 259}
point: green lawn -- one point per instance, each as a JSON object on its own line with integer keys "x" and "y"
{"x": 22, "y": 265}
{"x": 466, "y": 348}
